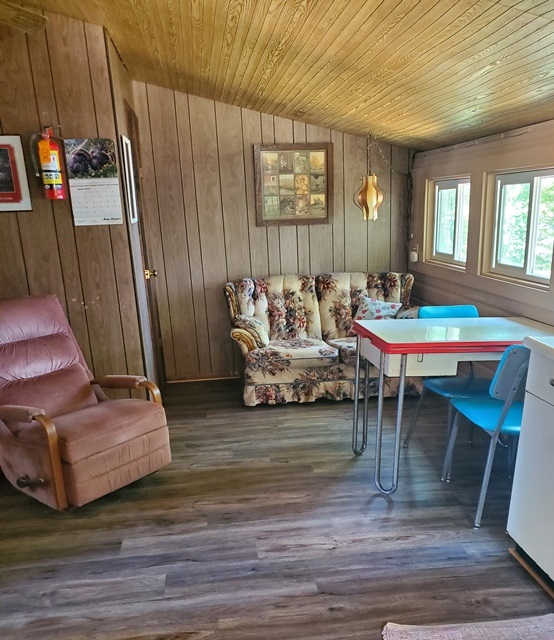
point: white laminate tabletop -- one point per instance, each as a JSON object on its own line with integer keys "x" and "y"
{"x": 434, "y": 335}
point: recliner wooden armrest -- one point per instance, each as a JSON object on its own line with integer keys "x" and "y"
{"x": 129, "y": 382}
{"x": 10, "y": 414}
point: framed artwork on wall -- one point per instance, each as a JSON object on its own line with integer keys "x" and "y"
{"x": 14, "y": 188}
{"x": 294, "y": 183}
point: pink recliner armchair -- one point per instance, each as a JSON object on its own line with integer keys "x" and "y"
{"x": 62, "y": 441}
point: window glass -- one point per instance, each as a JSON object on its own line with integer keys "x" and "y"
{"x": 513, "y": 214}
{"x": 524, "y": 225}
{"x": 450, "y": 215}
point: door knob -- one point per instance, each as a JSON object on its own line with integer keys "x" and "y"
{"x": 150, "y": 273}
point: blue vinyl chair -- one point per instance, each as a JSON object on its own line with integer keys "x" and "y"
{"x": 450, "y": 387}
{"x": 498, "y": 415}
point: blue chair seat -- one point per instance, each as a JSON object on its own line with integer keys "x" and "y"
{"x": 485, "y": 413}
{"x": 459, "y": 387}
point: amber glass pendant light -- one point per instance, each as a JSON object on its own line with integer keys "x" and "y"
{"x": 370, "y": 197}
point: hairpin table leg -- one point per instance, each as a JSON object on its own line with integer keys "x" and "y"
{"x": 379, "y": 433}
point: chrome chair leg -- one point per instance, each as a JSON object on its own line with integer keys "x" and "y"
{"x": 447, "y": 465}
{"x": 414, "y": 418}
{"x": 485, "y": 483}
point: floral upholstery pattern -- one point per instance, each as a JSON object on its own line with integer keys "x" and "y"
{"x": 376, "y": 309}
{"x": 254, "y": 326}
{"x": 340, "y": 295}
{"x": 302, "y": 347}
{"x": 299, "y": 353}
{"x": 347, "y": 349}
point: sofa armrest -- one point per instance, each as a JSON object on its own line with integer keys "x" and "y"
{"x": 408, "y": 312}
{"x": 245, "y": 340}
{"x": 254, "y": 327}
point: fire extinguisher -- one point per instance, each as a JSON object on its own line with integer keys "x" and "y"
{"x": 46, "y": 152}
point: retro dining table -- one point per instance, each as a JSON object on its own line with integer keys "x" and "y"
{"x": 424, "y": 347}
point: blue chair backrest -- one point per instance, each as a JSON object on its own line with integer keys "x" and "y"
{"x": 449, "y": 311}
{"x": 511, "y": 374}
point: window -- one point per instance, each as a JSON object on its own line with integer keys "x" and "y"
{"x": 524, "y": 225}
{"x": 450, "y": 215}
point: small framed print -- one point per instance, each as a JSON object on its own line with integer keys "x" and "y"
{"x": 14, "y": 188}
{"x": 294, "y": 183}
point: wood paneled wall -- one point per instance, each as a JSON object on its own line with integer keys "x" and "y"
{"x": 200, "y": 222}
{"x": 60, "y": 76}
{"x": 199, "y": 209}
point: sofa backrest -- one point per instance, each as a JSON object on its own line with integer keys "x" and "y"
{"x": 286, "y": 305}
{"x": 340, "y": 294}
{"x": 41, "y": 364}
{"x": 296, "y": 306}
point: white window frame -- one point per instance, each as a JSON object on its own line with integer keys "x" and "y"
{"x": 432, "y": 255}
{"x": 492, "y": 266}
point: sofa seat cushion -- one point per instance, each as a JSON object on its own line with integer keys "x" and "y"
{"x": 347, "y": 349}
{"x": 97, "y": 428}
{"x": 280, "y": 355}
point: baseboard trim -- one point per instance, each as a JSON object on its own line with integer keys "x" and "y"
{"x": 533, "y": 570}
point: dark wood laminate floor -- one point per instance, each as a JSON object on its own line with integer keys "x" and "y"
{"x": 265, "y": 527}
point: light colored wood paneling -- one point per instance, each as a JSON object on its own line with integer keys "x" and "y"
{"x": 379, "y": 231}
{"x": 417, "y": 73}
{"x": 273, "y": 253}
{"x": 338, "y": 206}
{"x": 400, "y": 161}
{"x": 355, "y": 230}
{"x": 302, "y": 231}
{"x": 288, "y": 239}
{"x": 321, "y": 235}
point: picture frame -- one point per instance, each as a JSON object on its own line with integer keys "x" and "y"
{"x": 14, "y": 188}
{"x": 129, "y": 180}
{"x": 294, "y": 183}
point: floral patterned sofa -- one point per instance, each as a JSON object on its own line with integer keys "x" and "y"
{"x": 295, "y": 333}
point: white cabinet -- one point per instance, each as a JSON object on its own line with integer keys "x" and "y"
{"x": 531, "y": 517}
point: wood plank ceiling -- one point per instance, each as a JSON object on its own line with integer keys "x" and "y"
{"x": 417, "y": 73}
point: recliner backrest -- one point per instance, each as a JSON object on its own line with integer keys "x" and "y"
{"x": 41, "y": 364}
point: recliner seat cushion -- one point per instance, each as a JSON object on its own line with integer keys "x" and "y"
{"x": 120, "y": 465}
{"x": 97, "y": 428}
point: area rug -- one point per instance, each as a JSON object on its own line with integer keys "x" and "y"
{"x": 536, "y": 628}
